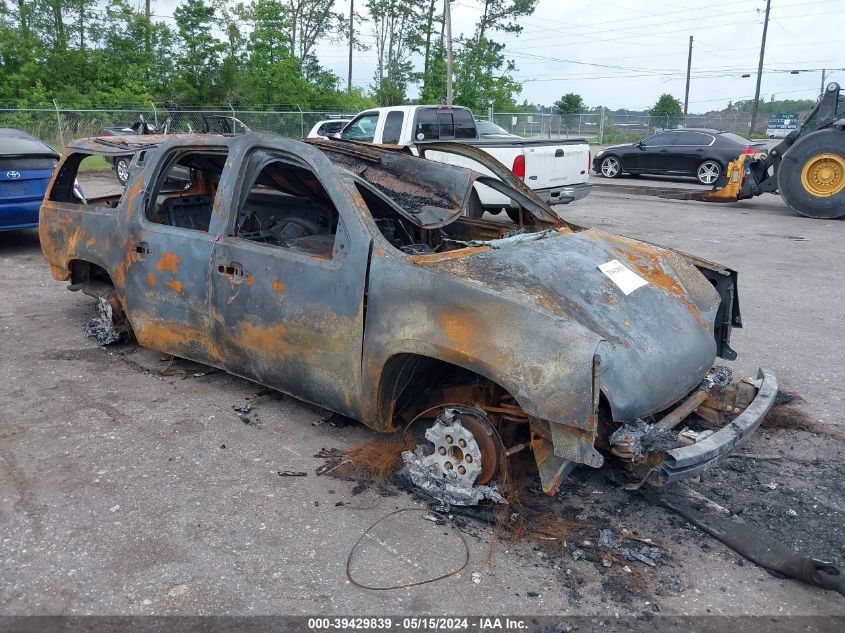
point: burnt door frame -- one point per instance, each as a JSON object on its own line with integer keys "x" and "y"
{"x": 285, "y": 318}
{"x": 166, "y": 270}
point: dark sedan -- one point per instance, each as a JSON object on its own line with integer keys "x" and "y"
{"x": 26, "y": 166}
{"x": 698, "y": 152}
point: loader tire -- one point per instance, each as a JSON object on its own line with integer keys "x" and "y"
{"x": 811, "y": 176}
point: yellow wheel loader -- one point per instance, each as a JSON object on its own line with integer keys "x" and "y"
{"x": 807, "y": 167}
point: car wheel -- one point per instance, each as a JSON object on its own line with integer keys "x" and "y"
{"x": 708, "y": 172}
{"x": 121, "y": 169}
{"x": 610, "y": 167}
{"x": 811, "y": 176}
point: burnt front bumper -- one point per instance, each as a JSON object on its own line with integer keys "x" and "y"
{"x": 687, "y": 461}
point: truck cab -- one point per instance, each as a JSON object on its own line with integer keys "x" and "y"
{"x": 557, "y": 170}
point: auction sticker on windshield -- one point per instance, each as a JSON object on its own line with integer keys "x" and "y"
{"x": 625, "y": 278}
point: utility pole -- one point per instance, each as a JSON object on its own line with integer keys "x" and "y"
{"x": 447, "y": 17}
{"x": 760, "y": 69}
{"x": 689, "y": 66}
{"x": 824, "y": 70}
{"x": 147, "y": 45}
{"x": 351, "y": 38}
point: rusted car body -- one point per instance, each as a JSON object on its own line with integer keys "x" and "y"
{"x": 346, "y": 275}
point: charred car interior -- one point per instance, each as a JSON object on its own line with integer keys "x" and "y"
{"x": 351, "y": 276}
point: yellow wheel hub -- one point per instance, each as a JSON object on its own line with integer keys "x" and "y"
{"x": 824, "y": 175}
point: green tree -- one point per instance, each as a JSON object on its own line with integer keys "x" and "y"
{"x": 309, "y": 21}
{"x": 503, "y": 15}
{"x": 669, "y": 107}
{"x": 482, "y": 76}
{"x": 398, "y": 26}
{"x": 570, "y": 103}
{"x": 201, "y": 52}
{"x": 433, "y": 89}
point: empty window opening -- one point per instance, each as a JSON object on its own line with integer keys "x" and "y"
{"x": 287, "y": 206}
{"x": 398, "y": 230}
{"x": 85, "y": 179}
{"x": 183, "y": 194}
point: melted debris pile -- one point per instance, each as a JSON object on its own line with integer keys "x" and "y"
{"x": 101, "y": 328}
{"x": 245, "y": 413}
{"x": 643, "y": 438}
{"x": 651, "y": 556}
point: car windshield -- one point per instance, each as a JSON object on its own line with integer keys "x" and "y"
{"x": 362, "y": 128}
{"x": 736, "y": 138}
{"x": 488, "y": 127}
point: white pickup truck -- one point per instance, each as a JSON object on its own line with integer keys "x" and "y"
{"x": 558, "y": 171}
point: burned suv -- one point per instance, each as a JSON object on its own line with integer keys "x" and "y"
{"x": 351, "y": 277}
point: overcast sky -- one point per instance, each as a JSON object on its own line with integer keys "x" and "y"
{"x": 625, "y": 53}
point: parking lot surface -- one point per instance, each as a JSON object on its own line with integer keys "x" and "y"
{"x": 128, "y": 490}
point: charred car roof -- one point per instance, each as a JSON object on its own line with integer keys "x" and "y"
{"x": 436, "y": 199}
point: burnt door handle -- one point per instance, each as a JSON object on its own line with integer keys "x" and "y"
{"x": 559, "y": 153}
{"x": 143, "y": 249}
{"x": 233, "y": 270}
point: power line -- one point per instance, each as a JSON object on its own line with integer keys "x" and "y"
{"x": 699, "y": 26}
{"x": 542, "y": 25}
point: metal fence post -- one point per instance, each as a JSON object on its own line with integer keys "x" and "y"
{"x": 59, "y": 124}
{"x": 301, "y": 122}
{"x": 601, "y": 125}
{"x": 155, "y": 113}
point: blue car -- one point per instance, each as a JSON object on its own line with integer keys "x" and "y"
{"x": 26, "y": 166}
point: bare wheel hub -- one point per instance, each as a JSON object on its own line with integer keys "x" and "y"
{"x": 456, "y": 453}
{"x": 463, "y": 455}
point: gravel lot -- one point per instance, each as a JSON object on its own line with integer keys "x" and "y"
{"x": 123, "y": 491}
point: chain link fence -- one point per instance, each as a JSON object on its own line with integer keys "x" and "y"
{"x": 607, "y": 127}
{"x": 58, "y": 126}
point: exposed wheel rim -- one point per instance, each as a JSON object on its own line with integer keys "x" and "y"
{"x": 609, "y": 167}
{"x": 709, "y": 172}
{"x": 122, "y": 169}
{"x": 823, "y": 175}
{"x": 464, "y": 445}
{"x": 487, "y": 444}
